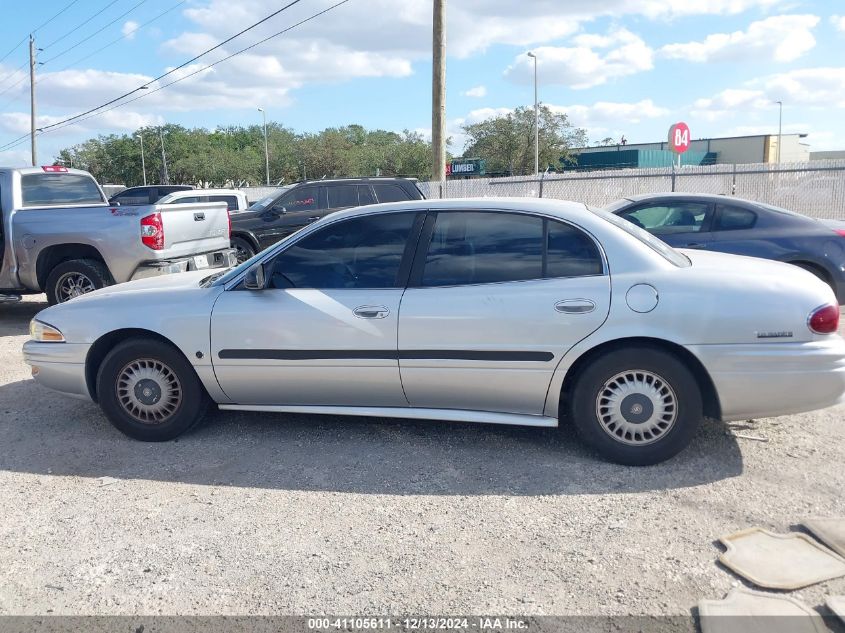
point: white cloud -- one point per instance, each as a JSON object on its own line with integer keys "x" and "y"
{"x": 476, "y": 92}
{"x": 838, "y": 22}
{"x": 782, "y": 38}
{"x": 128, "y": 29}
{"x": 611, "y": 113}
{"x": 594, "y": 60}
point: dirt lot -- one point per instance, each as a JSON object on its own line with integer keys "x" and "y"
{"x": 273, "y": 514}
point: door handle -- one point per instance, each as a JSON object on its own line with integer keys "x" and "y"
{"x": 314, "y": 218}
{"x": 371, "y": 312}
{"x": 575, "y": 306}
{"x": 695, "y": 245}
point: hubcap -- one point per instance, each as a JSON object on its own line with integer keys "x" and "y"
{"x": 241, "y": 254}
{"x": 636, "y": 407}
{"x": 72, "y": 285}
{"x": 149, "y": 390}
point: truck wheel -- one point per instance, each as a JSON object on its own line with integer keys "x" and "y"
{"x": 243, "y": 249}
{"x": 149, "y": 391}
{"x": 636, "y": 406}
{"x": 74, "y": 278}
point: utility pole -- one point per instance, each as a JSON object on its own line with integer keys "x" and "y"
{"x": 166, "y": 178}
{"x": 32, "y": 63}
{"x": 143, "y": 165}
{"x": 536, "y": 120}
{"x": 438, "y": 94}
{"x": 266, "y": 150}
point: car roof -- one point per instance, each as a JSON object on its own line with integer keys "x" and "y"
{"x": 353, "y": 179}
{"x": 563, "y": 208}
{"x": 207, "y": 192}
{"x": 718, "y": 197}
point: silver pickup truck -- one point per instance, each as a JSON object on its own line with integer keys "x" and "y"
{"x": 60, "y": 235}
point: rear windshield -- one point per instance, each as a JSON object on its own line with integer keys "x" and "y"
{"x": 45, "y": 190}
{"x": 680, "y": 260}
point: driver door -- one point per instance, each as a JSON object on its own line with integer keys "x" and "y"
{"x": 324, "y": 331}
{"x": 679, "y": 223}
{"x": 297, "y": 208}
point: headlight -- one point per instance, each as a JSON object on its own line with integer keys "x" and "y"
{"x": 44, "y": 333}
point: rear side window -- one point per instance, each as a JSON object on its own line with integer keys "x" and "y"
{"x": 386, "y": 192}
{"x": 476, "y": 248}
{"x": 58, "y": 189}
{"x": 734, "y": 218}
{"x": 570, "y": 252}
{"x": 301, "y": 199}
{"x": 343, "y": 196}
{"x": 365, "y": 195}
{"x": 231, "y": 201}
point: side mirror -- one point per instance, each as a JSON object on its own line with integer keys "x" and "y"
{"x": 255, "y": 278}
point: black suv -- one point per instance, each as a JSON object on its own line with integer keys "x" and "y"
{"x": 147, "y": 194}
{"x": 289, "y": 209}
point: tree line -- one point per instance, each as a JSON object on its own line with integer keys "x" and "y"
{"x": 234, "y": 155}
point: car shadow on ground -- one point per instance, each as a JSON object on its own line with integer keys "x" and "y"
{"x": 46, "y": 433}
{"x": 15, "y": 317}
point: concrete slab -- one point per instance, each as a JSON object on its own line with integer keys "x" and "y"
{"x": 831, "y": 532}
{"x": 779, "y": 561}
{"x": 837, "y": 605}
{"x": 747, "y": 611}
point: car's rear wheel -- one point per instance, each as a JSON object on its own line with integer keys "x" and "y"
{"x": 75, "y": 278}
{"x": 149, "y": 391}
{"x": 817, "y": 271}
{"x": 636, "y": 406}
{"x": 243, "y": 249}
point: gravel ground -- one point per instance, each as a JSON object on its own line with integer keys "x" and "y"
{"x": 294, "y": 514}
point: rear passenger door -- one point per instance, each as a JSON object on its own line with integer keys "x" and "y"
{"x": 494, "y": 301}
{"x": 679, "y": 223}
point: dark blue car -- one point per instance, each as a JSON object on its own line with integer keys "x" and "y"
{"x": 743, "y": 227}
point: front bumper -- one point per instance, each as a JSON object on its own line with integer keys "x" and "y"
{"x": 770, "y": 379}
{"x": 216, "y": 259}
{"x": 59, "y": 366}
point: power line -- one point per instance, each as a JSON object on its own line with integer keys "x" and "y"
{"x": 98, "y": 31}
{"x": 173, "y": 70}
{"x": 40, "y": 26}
{"x": 79, "y": 26}
{"x": 91, "y": 115}
{"x": 204, "y": 68}
{"x": 9, "y": 75}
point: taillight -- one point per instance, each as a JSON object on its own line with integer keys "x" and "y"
{"x": 840, "y": 232}
{"x": 229, "y": 218}
{"x": 824, "y": 320}
{"x": 152, "y": 232}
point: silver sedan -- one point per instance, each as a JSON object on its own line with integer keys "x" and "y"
{"x": 504, "y": 311}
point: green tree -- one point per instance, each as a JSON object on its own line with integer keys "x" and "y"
{"x": 506, "y": 142}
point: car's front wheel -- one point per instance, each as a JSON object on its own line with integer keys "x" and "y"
{"x": 243, "y": 249}
{"x": 149, "y": 391}
{"x": 636, "y": 406}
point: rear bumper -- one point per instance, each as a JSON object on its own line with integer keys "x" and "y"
{"x": 215, "y": 259}
{"x": 771, "y": 379}
{"x": 59, "y": 366}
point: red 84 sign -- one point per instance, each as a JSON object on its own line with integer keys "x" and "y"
{"x": 679, "y": 137}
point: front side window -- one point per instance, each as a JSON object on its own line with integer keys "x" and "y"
{"x": 44, "y": 190}
{"x": 734, "y": 218}
{"x": 301, "y": 199}
{"x": 362, "y": 252}
{"x": 470, "y": 247}
{"x": 669, "y": 218}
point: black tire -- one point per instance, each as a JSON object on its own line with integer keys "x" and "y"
{"x": 243, "y": 249}
{"x": 89, "y": 273}
{"x": 641, "y": 447}
{"x": 151, "y": 354}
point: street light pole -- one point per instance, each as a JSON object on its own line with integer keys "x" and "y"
{"x": 143, "y": 165}
{"x": 266, "y": 150}
{"x": 780, "y": 126}
{"x": 536, "y": 120}
{"x": 163, "y": 158}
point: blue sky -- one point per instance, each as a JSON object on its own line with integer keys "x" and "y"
{"x": 615, "y": 67}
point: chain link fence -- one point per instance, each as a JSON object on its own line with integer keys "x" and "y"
{"x": 815, "y": 189}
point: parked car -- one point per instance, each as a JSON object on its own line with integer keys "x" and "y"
{"x": 733, "y": 225}
{"x": 146, "y": 194}
{"x": 61, "y": 236}
{"x": 277, "y": 216}
{"x": 235, "y": 200}
{"x": 490, "y": 310}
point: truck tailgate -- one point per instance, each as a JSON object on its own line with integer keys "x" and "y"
{"x": 196, "y": 227}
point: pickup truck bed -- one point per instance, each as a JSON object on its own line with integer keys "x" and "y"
{"x": 61, "y": 236}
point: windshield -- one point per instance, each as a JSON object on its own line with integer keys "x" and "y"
{"x": 266, "y": 201}
{"x": 618, "y": 204}
{"x": 662, "y": 248}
